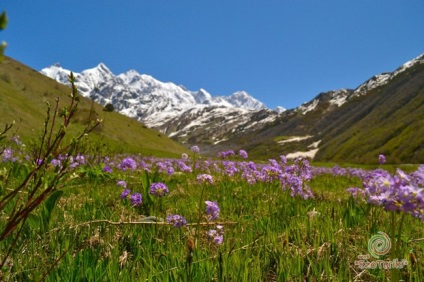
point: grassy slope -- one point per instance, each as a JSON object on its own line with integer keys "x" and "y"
{"x": 23, "y": 96}
{"x": 388, "y": 120}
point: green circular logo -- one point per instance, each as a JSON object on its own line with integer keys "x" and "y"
{"x": 379, "y": 244}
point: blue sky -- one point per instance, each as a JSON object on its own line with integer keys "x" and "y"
{"x": 282, "y": 52}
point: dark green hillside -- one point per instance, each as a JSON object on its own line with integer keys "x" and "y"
{"x": 389, "y": 120}
{"x": 23, "y": 96}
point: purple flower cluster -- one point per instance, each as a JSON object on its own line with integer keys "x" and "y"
{"x": 56, "y": 163}
{"x": 293, "y": 177}
{"x": 77, "y": 161}
{"x": 136, "y": 199}
{"x": 212, "y": 209}
{"x": 107, "y": 169}
{"x": 226, "y": 154}
{"x": 243, "y": 154}
{"x": 398, "y": 192}
{"x": 127, "y": 164}
{"x": 165, "y": 167}
{"x": 158, "y": 189}
{"x": 230, "y": 153}
{"x": 176, "y": 220}
{"x": 183, "y": 167}
{"x": 230, "y": 168}
{"x": 203, "y": 178}
{"x": 216, "y": 235}
{"x": 195, "y": 149}
{"x": 125, "y": 193}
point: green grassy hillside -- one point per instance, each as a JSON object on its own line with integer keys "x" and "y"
{"x": 387, "y": 120}
{"x": 24, "y": 93}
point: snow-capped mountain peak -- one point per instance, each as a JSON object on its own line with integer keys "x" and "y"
{"x": 96, "y": 76}
{"x": 56, "y": 72}
{"x": 242, "y": 99}
{"x": 154, "y": 102}
{"x": 279, "y": 109}
{"x": 203, "y": 97}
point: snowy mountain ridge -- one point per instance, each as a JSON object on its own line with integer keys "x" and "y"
{"x": 171, "y": 108}
{"x": 341, "y": 96}
{"x": 98, "y": 77}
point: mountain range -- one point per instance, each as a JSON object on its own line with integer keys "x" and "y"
{"x": 382, "y": 115}
{"x": 187, "y": 116}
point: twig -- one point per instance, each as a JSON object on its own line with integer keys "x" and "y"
{"x": 416, "y": 240}
{"x": 143, "y": 223}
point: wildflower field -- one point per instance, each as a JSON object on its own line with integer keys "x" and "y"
{"x": 68, "y": 214}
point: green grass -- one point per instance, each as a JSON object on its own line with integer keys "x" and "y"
{"x": 269, "y": 235}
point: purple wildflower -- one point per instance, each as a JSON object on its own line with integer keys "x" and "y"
{"x": 158, "y": 189}
{"x": 125, "y": 193}
{"x": 395, "y": 193}
{"x": 418, "y": 176}
{"x": 271, "y": 173}
{"x": 202, "y": 178}
{"x": 195, "y": 149}
{"x": 243, "y": 154}
{"x": 250, "y": 178}
{"x": 127, "y": 163}
{"x": 184, "y": 167}
{"x": 381, "y": 159}
{"x": 230, "y": 168}
{"x": 212, "y": 209}
{"x": 107, "y": 169}
{"x": 216, "y": 235}
{"x": 283, "y": 159}
{"x": 170, "y": 170}
{"x": 80, "y": 159}
{"x": 122, "y": 183}
{"x": 7, "y": 154}
{"x": 274, "y": 163}
{"x": 161, "y": 167}
{"x": 55, "y": 163}
{"x": 136, "y": 199}
{"x": 38, "y": 162}
{"x": 176, "y": 220}
{"x": 16, "y": 139}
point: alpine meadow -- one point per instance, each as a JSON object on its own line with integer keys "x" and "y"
{"x": 108, "y": 177}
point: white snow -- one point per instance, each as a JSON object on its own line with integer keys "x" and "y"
{"x": 315, "y": 144}
{"x": 372, "y": 83}
{"x": 294, "y": 139}
{"x": 280, "y": 109}
{"x": 309, "y": 154}
{"x": 307, "y": 107}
